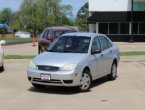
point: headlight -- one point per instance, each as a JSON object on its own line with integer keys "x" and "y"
{"x": 68, "y": 67}
{"x": 32, "y": 65}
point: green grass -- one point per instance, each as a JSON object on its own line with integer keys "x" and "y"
{"x": 140, "y": 53}
{"x": 135, "y": 53}
{"x": 16, "y": 39}
{"x": 19, "y": 56}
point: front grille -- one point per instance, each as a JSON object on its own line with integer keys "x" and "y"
{"x": 47, "y": 68}
{"x": 45, "y": 81}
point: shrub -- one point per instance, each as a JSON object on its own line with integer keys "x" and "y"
{"x": 3, "y": 30}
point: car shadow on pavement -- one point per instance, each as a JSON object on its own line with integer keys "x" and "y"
{"x": 56, "y": 90}
{"x": 67, "y": 90}
{"x": 99, "y": 81}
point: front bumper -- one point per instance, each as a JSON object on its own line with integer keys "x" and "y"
{"x": 58, "y": 78}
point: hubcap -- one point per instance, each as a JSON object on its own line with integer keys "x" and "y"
{"x": 85, "y": 81}
{"x": 114, "y": 71}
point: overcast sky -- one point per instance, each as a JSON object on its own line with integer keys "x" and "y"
{"x": 15, "y": 4}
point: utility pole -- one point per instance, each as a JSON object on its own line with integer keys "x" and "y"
{"x": 131, "y": 36}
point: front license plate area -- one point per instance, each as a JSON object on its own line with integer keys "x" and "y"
{"x": 45, "y": 77}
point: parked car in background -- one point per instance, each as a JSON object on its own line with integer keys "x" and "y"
{"x": 7, "y": 28}
{"x": 49, "y": 34}
{"x": 1, "y": 56}
{"x": 75, "y": 59}
{"x": 22, "y": 34}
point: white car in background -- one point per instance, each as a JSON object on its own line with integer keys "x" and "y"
{"x": 22, "y": 34}
{"x": 1, "y": 56}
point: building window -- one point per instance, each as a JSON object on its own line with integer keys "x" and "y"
{"x": 124, "y": 28}
{"x": 135, "y": 28}
{"x": 113, "y": 28}
{"x": 139, "y": 6}
{"x": 103, "y": 28}
{"x": 141, "y": 28}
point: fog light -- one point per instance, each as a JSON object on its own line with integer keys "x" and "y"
{"x": 68, "y": 81}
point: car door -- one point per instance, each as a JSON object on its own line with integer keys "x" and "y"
{"x": 106, "y": 54}
{"x": 96, "y": 59}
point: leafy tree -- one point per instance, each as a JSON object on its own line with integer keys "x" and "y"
{"x": 35, "y": 15}
{"x": 5, "y": 16}
{"x": 16, "y": 24}
{"x": 3, "y": 30}
{"x": 82, "y": 16}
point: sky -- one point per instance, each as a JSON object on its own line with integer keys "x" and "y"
{"x": 15, "y": 4}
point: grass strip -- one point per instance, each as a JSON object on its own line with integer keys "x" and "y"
{"x": 16, "y": 39}
{"x": 135, "y": 53}
{"x": 19, "y": 56}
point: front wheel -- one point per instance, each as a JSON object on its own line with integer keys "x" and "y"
{"x": 86, "y": 81}
{"x": 113, "y": 74}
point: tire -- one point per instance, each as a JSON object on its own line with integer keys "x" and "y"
{"x": 113, "y": 74}
{"x": 39, "y": 50}
{"x": 2, "y": 68}
{"x": 86, "y": 81}
{"x": 38, "y": 86}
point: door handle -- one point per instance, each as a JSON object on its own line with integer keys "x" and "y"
{"x": 110, "y": 51}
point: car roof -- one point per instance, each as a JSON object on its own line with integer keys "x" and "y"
{"x": 60, "y": 28}
{"x": 86, "y": 34}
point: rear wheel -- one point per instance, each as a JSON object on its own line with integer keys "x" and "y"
{"x": 113, "y": 74}
{"x": 2, "y": 68}
{"x": 38, "y": 86}
{"x": 39, "y": 50}
{"x": 86, "y": 81}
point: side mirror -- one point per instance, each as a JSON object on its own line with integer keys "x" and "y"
{"x": 2, "y": 42}
{"x": 95, "y": 52}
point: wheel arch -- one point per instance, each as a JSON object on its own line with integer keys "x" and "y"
{"x": 115, "y": 61}
{"x": 88, "y": 69}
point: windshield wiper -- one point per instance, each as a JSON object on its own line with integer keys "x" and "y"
{"x": 50, "y": 50}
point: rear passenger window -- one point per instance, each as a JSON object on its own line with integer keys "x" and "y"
{"x": 96, "y": 44}
{"x": 46, "y": 34}
{"x": 104, "y": 42}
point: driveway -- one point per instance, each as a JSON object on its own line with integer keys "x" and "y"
{"x": 125, "y": 93}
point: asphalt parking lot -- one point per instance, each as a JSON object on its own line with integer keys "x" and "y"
{"x": 28, "y": 49}
{"x": 125, "y": 93}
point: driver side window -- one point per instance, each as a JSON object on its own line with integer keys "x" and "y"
{"x": 96, "y": 44}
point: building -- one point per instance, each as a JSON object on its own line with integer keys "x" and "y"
{"x": 121, "y": 20}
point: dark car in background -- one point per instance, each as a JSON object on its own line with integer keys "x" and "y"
{"x": 49, "y": 34}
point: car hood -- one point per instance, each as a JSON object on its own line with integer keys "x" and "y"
{"x": 58, "y": 59}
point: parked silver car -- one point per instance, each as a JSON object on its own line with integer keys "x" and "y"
{"x": 75, "y": 59}
{"x": 1, "y": 56}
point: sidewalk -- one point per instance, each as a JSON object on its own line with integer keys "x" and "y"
{"x": 125, "y": 47}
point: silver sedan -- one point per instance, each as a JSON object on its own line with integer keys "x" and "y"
{"x": 1, "y": 56}
{"x": 75, "y": 59}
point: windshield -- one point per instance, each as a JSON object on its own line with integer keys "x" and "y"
{"x": 70, "y": 44}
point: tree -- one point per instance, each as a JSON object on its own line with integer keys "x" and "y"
{"x": 16, "y": 22}
{"x": 82, "y": 16}
{"x": 5, "y": 16}
{"x": 35, "y": 15}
